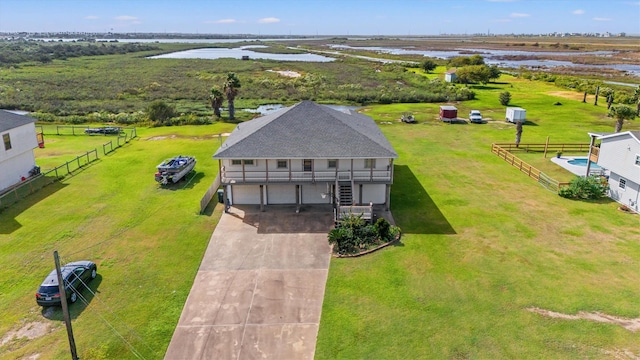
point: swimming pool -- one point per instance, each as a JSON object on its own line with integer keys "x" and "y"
{"x": 583, "y": 162}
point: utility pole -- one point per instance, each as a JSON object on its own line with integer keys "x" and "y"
{"x": 65, "y": 308}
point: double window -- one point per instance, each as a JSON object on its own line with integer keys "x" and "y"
{"x": 240, "y": 162}
{"x": 637, "y": 159}
{"x": 7, "y": 141}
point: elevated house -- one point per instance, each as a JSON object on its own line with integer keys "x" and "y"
{"x": 620, "y": 154}
{"x": 307, "y": 154}
{"x": 18, "y": 135}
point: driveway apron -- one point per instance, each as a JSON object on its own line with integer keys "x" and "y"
{"x": 259, "y": 289}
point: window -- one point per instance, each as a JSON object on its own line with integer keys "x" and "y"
{"x": 282, "y": 164}
{"x": 622, "y": 184}
{"x": 369, "y": 163}
{"x": 307, "y": 164}
{"x": 637, "y": 159}
{"x": 7, "y": 141}
{"x": 239, "y": 162}
{"x": 332, "y": 163}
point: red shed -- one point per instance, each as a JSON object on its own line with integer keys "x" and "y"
{"x": 448, "y": 113}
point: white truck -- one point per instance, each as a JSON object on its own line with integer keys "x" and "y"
{"x": 516, "y": 114}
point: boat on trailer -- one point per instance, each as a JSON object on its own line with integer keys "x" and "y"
{"x": 174, "y": 169}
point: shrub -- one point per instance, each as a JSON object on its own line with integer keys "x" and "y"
{"x": 505, "y": 98}
{"x": 590, "y": 187}
{"x": 353, "y": 234}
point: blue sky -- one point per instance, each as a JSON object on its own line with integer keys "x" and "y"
{"x": 322, "y": 17}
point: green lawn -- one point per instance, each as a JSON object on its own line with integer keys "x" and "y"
{"x": 482, "y": 243}
{"x": 147, "y": 242}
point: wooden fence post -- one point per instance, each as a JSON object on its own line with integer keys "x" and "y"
{"x": 546, "y": 147}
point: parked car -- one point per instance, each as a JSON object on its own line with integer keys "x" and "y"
{"x": 475, "y": 116}
{"x": 76, "y": 276}
{"x": 109, "y": 130}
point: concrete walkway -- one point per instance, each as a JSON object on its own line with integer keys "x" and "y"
{"x": 259, "y": 290}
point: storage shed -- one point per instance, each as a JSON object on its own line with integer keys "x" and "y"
{"x": 448, "y": 113}
{"x": 450, "y": 75}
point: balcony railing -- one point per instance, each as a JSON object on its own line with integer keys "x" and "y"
{"x": 239, "y": 176}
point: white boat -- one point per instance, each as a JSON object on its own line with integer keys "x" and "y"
{"x": 174, "y": 169}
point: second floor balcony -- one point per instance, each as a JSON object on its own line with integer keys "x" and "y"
{"x": 284, "y": 176}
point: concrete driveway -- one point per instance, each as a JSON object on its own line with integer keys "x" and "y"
{"x": 259, "y": 290}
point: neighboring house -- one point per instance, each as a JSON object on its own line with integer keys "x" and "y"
{"x": 450, "y": 75}
{"x": 620, "y": 154}
{"x": 307, "y": 154}
{"x": 18, "y": 139}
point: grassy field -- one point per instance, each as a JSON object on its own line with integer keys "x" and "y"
{"x": 483, "y": 243}
{"x": 147, "y": 242}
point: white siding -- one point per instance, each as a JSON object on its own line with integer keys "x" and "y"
{"x": 629, "y": 196}
{"x": 618, "y": 154}
{"x": 312, "y": 194}
{"x": 13, "y": 169}
{"x": 245, "y": 195}
{"x": 281, "y": 194}
{"x": 23, "y": 140}
{"x": 374, "y": 193}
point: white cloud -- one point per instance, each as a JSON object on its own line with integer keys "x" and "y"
{"x": 222, "y": 21}
{"x": 126, "y": 18}
{"x": 91, "y": 17}
{"x": 601, "y": 19}
{"x": 269, "y": 20}
{"x": 578, "y": 12}
{"x": 519, "y": 15}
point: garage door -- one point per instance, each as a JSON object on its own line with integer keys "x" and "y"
{"x": 245, "y": 194}
{"x": 281, "y": 194}
{"x": 312, "y": 194}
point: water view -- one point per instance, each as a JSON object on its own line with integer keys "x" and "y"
{"x": 239, "y": 53}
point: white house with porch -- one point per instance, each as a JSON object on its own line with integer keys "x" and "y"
{"x": 18, "y": 136}
{"x": 620, "y": 154}
{"x": 307, "y": 154}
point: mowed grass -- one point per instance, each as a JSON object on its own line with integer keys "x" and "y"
{"x": 482, "y": 243}
{"x": 147, "y": 241}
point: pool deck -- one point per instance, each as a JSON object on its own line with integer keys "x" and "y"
{"x": 563, "y": 161}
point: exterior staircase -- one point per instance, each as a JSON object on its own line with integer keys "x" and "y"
{"x": 345, "y": 194}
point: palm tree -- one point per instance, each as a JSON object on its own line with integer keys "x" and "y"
{"x": 231, "y": 86}
{"x": 621, "y": 113}
{"x": 216, "y": 99}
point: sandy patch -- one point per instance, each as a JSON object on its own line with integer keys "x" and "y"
{"x": 30, "y": 331}
{"x": 570, "y": 95}
{"x": 632, "y": 325}
{"x": 287, "y": 73}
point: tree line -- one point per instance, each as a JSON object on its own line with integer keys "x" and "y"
{"x": 13, "y": 53}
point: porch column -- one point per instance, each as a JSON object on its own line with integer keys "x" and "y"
{"x": 261, "y": 197}
{"x": 387, "y": 196}
{"x": 225, "y": 198}
{"x": 593, "y": 140}
{"x": 297, "y": 199}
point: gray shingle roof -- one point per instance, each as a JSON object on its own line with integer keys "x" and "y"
{"x": 9, "y": 120}
{"x": 307, "y": 130}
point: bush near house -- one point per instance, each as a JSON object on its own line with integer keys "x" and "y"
{"x": 353, "y": 234}
{"x": 590, "y": 187}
